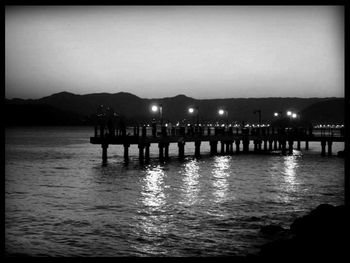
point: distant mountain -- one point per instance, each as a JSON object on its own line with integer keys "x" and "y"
{"x": 66, "y": 108}
{"x": 329, "y": 111}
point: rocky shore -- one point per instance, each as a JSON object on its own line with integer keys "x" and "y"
{"x": 323, "y": 233}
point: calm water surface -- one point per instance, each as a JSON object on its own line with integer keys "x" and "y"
{"x": 60, "y": 200}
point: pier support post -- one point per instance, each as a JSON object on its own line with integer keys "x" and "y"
{"x": 181, "y": 146}
{"x": 147, "y": 152}
{"x": 290, "y": 146}
{"x": 197, "y": 145}
{"x": 104, "y": 153}
{"x": 222, "y": 147}
{"x": 306, "y": 145}
{"x": 329, "y": 148}
{"x": 126, "y": 152}
{"x": 270, "y": 145}
{"x": 283, "y": 146}
{"x": 246, "y": 145}
{"x": 141, "y": 155}
{"x": 323, "y": 146}
{"x": 213, "y": 147}
{"x": 166, "y": 151}
{"x": 255, "y": 146}
{"x": 298, "y": 145}
{"x": 227, "y": 148}
{"x": 231, "y": 148}
{"x": 275, "y": 145}
{"x": 161, "y": 151}
{"x": 237, "y": 145}
{"x": 265, "y": 145}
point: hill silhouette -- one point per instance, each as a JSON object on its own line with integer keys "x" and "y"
{"x": 66, "y": 108}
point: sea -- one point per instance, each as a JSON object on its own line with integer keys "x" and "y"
{"x": 61, "y": 201}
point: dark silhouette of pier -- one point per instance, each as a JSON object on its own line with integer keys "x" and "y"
{"x": 227, "y": 140}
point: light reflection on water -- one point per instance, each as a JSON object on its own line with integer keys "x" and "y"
{"x": 290, "y": 166}
{"x": 152, "y": 223}
{"x": 190, "y": 181}
{"x": 220, "y": 173}
{"x": 285, "y": 179}
{"x": 153, "y": 188}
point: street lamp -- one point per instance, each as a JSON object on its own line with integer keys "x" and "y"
{"x": 223, "y": 112}
{"x": 154, "y": 108}
{"x": 193, "y": 110}
{"x": 158, "y": 108}
{"x": 278, "y": 114}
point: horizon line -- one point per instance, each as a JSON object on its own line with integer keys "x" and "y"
{"x": 14, "y": 98}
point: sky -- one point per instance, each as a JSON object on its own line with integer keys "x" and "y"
{"x": 203, "y": 52}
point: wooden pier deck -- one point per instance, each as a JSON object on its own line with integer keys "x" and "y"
{"x": 264, "y": 140}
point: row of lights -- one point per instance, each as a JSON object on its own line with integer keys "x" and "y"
{"x": 156, "y": 108}
{"x": 329, "y": 126}
{"x": 191, "y": 110}
{"x": 289, "y": 114}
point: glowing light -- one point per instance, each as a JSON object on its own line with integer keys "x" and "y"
{"x": 289, "y": 113}
{"x": 276, "y": 114}
{"x": 221, "y": 112}
{"x": 190, "y": 110}
{"x": 154, "y": 108}
{"x": 294, "y": 115}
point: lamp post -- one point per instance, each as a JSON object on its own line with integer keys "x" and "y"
{"x": 277, "y": 114}
{"x": 223, "y": 112}
{"x": 194, "y": 110}
{"x": 158, "y": 108}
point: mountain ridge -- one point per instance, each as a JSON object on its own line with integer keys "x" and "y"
{"x": 137, "y": 109}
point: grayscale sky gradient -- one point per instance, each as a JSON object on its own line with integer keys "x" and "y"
{"x": 152, "y": 52}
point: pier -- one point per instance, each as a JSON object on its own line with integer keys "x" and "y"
{"x": 222, "y": 140}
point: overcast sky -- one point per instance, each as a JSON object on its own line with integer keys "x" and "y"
{"x": 152, "y": 52}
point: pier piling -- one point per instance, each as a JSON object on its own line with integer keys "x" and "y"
{"x": 126, "y": 151}
{"x": 181, "y": 146}
{"x": 323, "y": 146}
{"x": 104, "y": 153}
{"x": 222, "y": 148}
{"x": 290, "y": 146}
{"x": 161, "y": 151}
{"x": 197, "y": 145}
{"x": 237, "y": 145}
{"x": 147, "y": 152}
{"x": 329, "y": 148}
{"x": 213, "y": 147}
{"x": 141, "y": 150}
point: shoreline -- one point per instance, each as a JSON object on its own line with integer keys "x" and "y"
{"x": 321, "y": 233}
